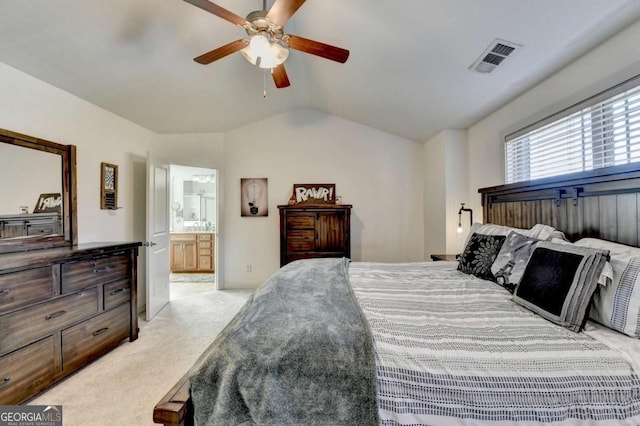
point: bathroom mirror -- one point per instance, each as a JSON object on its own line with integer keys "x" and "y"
{"x": 37, "y": 193}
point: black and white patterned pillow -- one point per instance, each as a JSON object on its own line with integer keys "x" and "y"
{"x": 512, "y": 259}
{"x": 558, "y": 282}
{"x": 479, "y": 254}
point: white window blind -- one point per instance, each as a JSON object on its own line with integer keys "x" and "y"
{"x": 599, "y": 132}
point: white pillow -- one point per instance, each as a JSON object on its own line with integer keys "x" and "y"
{"x": 544, "y": 232}
{"x": 538, "y": 231}
{"x": 617, "y": 305}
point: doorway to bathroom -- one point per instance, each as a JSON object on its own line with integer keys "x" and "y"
{"x": 193, "y": 230}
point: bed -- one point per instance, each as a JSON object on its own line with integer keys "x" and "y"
{"x": 432, "y": 343}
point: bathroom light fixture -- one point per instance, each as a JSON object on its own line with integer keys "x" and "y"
{"x": 204, "y": 178}
{"x": 463, "y": 209}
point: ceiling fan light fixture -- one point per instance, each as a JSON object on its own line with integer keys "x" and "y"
{"x": 259, "y": 44}
{"x": 281, "y": 54}
{"x": 246, "y": 53}
{"x": 275, "y": 56}
{"x": 267, "y": 61}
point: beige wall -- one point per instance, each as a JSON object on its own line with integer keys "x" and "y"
{"x": 42, "y": 110}
{"x": 380, "y": 174}
{"x": 612, "y": 62}
{"x": 445, "y": 187}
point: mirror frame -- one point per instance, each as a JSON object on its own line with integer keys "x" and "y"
{"x": 67, "y": 155}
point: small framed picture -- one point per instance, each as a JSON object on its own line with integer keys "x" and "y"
{"x": 108, "y": 186}
{"x": 254, "y": 200}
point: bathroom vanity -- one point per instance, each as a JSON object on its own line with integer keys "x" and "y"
{"x": 192, "y": 252}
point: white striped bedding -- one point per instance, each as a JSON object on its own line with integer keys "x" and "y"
{"x": 452, "y": 349}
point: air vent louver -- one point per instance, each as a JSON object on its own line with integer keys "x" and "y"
{"x": 493, "y": 56}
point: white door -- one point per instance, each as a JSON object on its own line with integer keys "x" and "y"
{"x": 157, "y": 236}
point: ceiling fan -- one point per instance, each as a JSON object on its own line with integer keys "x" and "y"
{"x": 267, "y": 43}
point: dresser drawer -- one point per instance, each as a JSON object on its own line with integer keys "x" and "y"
{"x": 25, "y": 287}
{"x": 300, "y": 245}
{"x": 90, "y": 272}
{"x": 301, "y": 221}
{"x": 116, "y": 293}
{"x": 204, "y": 237}
{"x": 88, "y": 340}
{"x": 26, "y": 371}
{"x": 26, "y": 325}
{"x": 204, "y": 244}
{"x": 301, "y": 234}
{"x": 46, "y": 228}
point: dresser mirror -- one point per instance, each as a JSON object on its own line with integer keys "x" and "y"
{"x": 37, "y": 195}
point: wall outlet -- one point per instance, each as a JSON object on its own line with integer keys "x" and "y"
{"x": 249, "y": 267}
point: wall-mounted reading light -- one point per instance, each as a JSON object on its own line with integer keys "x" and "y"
{"x": 463, "y": 209}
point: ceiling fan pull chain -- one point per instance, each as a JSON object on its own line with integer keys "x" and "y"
{"x": 264, "y": 83}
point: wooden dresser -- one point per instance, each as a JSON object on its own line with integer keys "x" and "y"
{"x": 60, "y": 309}
{"x": 311, "y": 231}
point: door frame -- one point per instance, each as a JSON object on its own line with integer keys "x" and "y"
{"x": 218, "y": 274}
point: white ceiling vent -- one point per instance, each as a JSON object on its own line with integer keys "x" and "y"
{"x": 493, "y": 56}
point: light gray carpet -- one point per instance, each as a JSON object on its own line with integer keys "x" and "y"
{"x": 122, "y": 387}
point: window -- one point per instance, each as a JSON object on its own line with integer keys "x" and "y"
{"x": 601, "y": 131}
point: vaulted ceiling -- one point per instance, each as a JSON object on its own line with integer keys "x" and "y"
{"x": 407, "y": 74}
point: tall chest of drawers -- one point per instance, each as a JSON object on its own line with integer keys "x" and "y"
{"x": 312, "y": 231}
{"x": 60, "y": 309}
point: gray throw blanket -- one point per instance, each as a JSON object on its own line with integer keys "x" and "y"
{"x": 298, "y": 353}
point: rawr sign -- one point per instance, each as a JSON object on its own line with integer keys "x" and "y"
{"x": 314, "y": 193}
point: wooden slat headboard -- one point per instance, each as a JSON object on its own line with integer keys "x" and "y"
{"x": 602, "y": 204}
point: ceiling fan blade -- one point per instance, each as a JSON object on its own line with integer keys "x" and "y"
{"x": 316, "y": 48}
{"x": 280, "y": 77}
{"x": 221, "y": 52}
{"x": 282, "y": 10}
{"x": 218, "y": 11}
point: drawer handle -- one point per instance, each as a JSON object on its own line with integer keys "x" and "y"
{"x": 5, "y": 381}
{"x": 113, "y": 293}
{"x": 101, "y": 270}
{"x": 55, "y": 315}
{"x": 101, "y": 331}
{"x": 4, "y": 292}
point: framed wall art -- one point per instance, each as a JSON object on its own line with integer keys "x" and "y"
{"x": 254, "y": 200}
{"x": 108, "y": 186}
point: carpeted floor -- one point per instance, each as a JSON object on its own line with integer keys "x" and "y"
{"x": 122, "y": 387}
{"x": 180, "y": 289}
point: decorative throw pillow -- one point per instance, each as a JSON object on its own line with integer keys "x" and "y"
{"x": 512, "y": 259}
{"x": 606, "y": 276}
{"x": 539, "y": 231}
{"x": 479, "y": 254}
{"x": 558, "y": 282}
{"x": 617, "y": 305}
